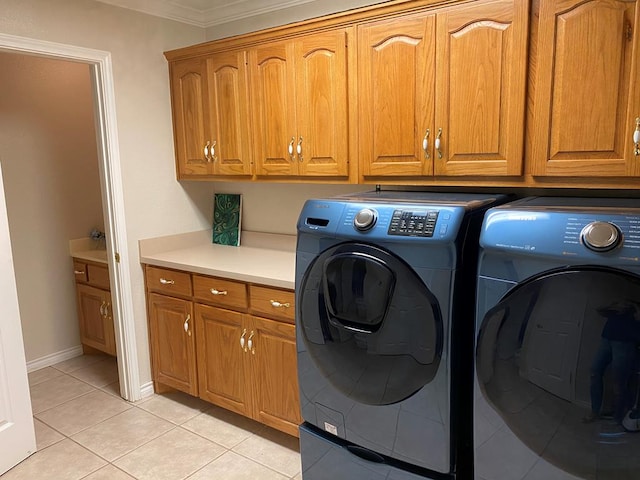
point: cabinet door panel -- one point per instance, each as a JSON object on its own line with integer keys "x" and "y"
{"x": 190, "y": 121}
{"x": 94, "y": 314}
{"x": 276, "y": 375}
{"x": 173, "y": 346}
{"x": 272, "y": 100}
{"x": 230, "y": 115}
{"x": 585, "y": 104}
{"x": 480, "y": 88}
{"x": 395, "y": 90}
{"x": 222, "y": 360}
{"x": 321, "y": 97}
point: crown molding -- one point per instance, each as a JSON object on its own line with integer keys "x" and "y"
{"x": 206, "y": 13}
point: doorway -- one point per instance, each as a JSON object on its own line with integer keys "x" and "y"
{"x": 99, "y": 64}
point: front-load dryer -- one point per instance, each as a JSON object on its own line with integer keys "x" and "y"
{"x": 384, "y": 314}
{"x": 558, "y": 324}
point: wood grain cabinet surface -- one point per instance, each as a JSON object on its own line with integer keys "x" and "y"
{"x": 443, "y": 92}
{"x": 93, "y": 300}
{"x": 210, "y": 116}
{"x": 586, "y": 95}
{"x": 229, "y": 342}
{"x": 299, "y": 104}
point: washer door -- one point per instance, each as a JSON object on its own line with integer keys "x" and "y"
{"x": 557, "y": 359}
{"x": 370, "y": 324}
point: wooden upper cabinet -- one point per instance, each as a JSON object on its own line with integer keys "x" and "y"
{"x": 210, "y": 115}
{"x": 190, "y": 119}
{"x": 229, "y": 150}
{"x": 453, "y": 78}
{"x": 586, "y": 94}
{"x": 273, "y": 108}
{"x": 481, "y": 66}
{"x": 299, "y": 106}
{"x": 395, "y": 95}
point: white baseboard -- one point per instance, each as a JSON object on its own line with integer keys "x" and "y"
{"x": 54, "y": 358}
{"x": 146, "y": 390}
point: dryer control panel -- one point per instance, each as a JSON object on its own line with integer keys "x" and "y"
{"x": 406, "y": 222}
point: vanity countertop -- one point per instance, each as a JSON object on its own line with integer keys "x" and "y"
{"x": 87, "y": 249}
{"x": 263, "y": 258}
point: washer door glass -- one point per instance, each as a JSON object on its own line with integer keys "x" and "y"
{"x": 369, "y": 323}
{"x": 557, "y": 358}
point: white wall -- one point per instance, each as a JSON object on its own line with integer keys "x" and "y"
{"x": 49, "y": 157}
{"x": 155, "y": 203}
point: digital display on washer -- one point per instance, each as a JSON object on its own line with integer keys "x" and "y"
{"x": 419, "y": 223}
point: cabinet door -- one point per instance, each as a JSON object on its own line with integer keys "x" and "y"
{"x": 481, "y": 67}
{"x": 190, "y": 120}
{"x": 228, "y": 94}
{"x": 322, "y": 143}
{"x": 273, "y": 105}
{"x": 275, "y": 374}
{"x": 173, "y": 343}
{"x": 94, "y": 307}
{"x": 222, "y": 359}
{"x": 395, "y": 93}
{"x": 585, "y": 88}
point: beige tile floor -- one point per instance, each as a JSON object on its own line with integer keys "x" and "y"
{"x": 84, "y": 430}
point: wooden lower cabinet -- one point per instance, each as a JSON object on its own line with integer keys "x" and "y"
{"x": 95, "y": 318}
{"x": 275, "y": 374}
{"x": 93, "y": 300}
{"x": 172, "y": 343}
{"x": 222, "y": 360}
{"x": 230, "y": 343}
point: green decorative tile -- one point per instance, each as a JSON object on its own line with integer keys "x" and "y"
{"x": 227, "y": 216}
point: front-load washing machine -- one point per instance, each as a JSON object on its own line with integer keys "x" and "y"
{"x": 558, "y": 324}
{"x": 385, "y": 283}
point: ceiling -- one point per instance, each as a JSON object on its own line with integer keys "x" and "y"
{"x": 206, "y": 13}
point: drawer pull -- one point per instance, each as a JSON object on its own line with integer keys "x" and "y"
{"x": 186, "y": 325}
{"x": 103, "y": 309}
{"x": 218, "y": 292}
{"x": 242, "y": 340}
{"x": 276, "y": 304}
{"x": 79, "y": 272}
{"x": 164, "y": 281}
{"x": 250, "y": 343}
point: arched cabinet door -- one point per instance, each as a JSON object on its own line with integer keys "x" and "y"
{"x": 370, "y": 324}
{"x": 576, "y": 132}
{"x": 557, "y": 358}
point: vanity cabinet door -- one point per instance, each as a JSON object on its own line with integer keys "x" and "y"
{"x": 96, "y": 319}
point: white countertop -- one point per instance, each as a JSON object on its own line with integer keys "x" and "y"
{"x": 87, "y": 249}
{"x": 264, "y": 258}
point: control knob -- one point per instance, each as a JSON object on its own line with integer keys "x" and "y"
{"x": 601, "y": 236}
{"x": 365, "y": 219}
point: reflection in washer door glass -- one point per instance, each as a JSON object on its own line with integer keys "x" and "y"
{"x": 558, "y": 359}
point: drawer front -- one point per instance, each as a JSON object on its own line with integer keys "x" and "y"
{"x": 167, "y": 281}
{"x": 219, "y": 291}
{"x": 273, "y": 303}
{"x": 80, "y": 271}
{"x": 98, "y": 276}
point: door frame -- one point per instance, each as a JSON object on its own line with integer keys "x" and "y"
{"x": 112, "y": 193}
